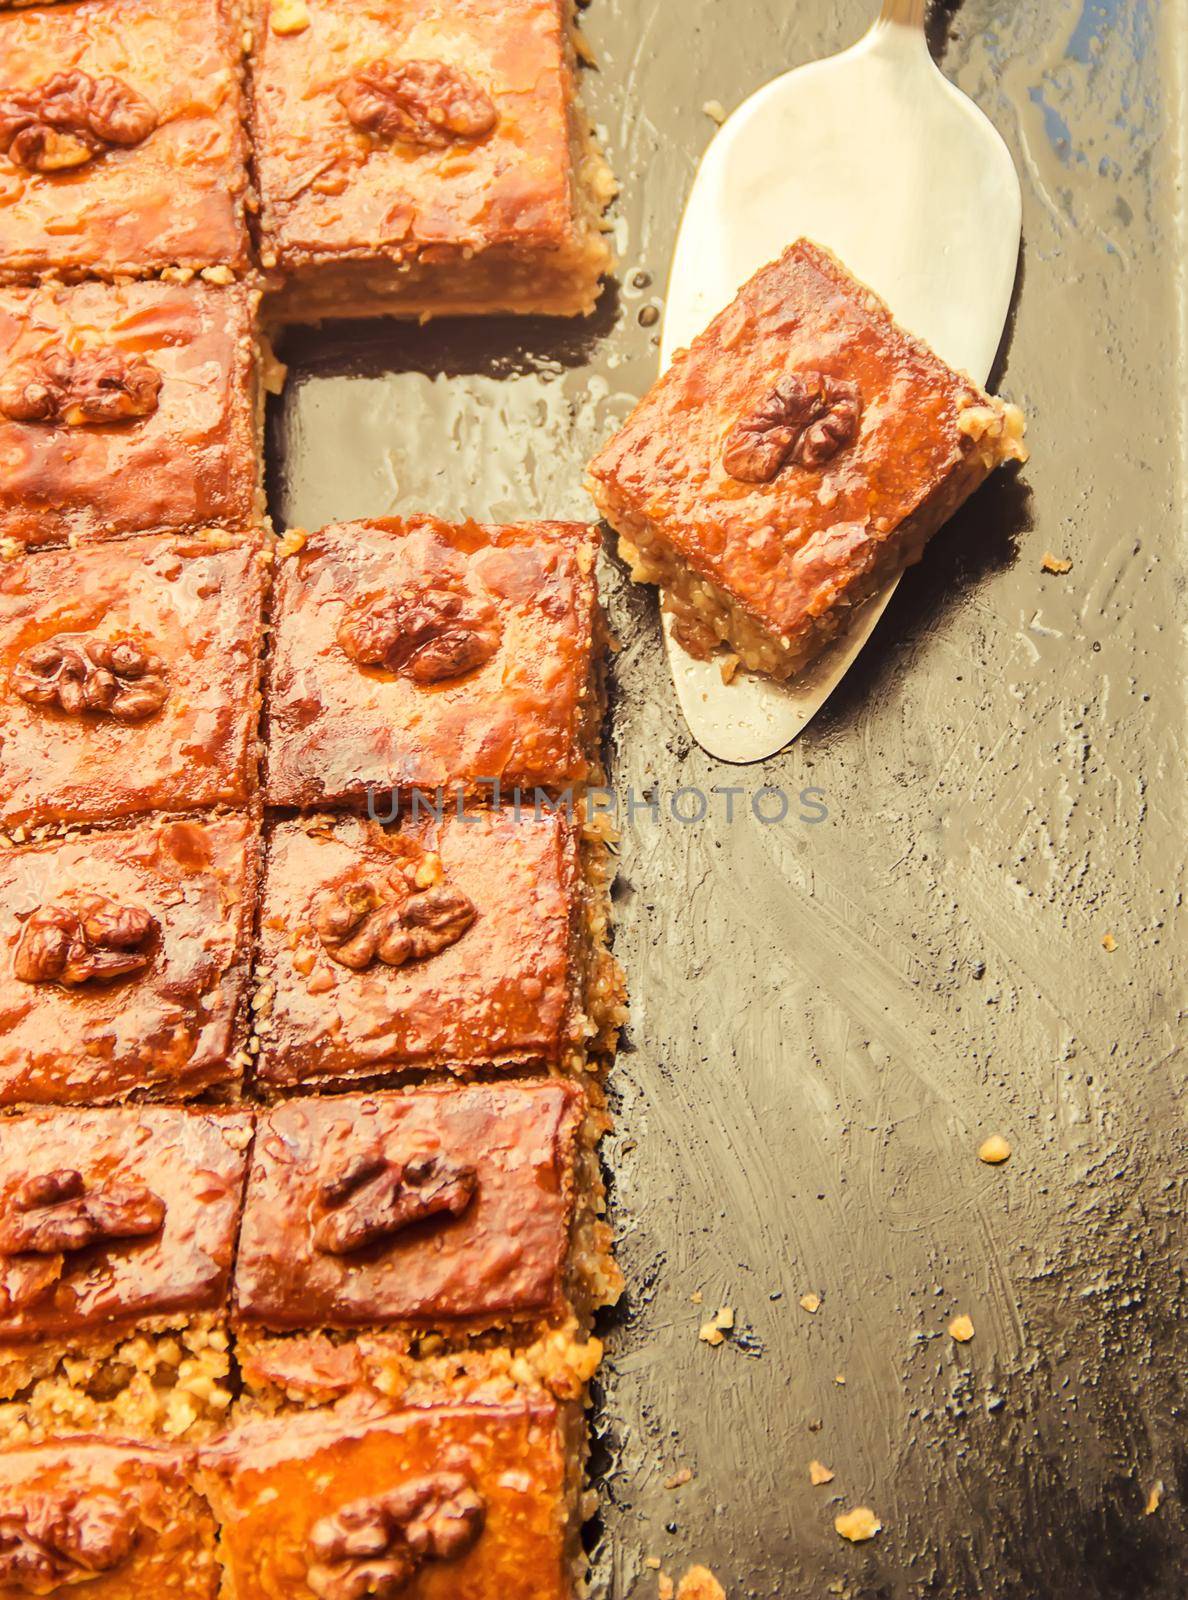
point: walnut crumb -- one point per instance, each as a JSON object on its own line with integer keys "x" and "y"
{"x": 1154, "y": 1499}
{"x": 679, "y": 1479}
{"x": 220, "y": 276}
{"x": 819, "y": 1473}
{"x": 697, "y": 1297}
{"x": 727, "y": 667}
{"x": 1057, "y": 564}
{"x": 665, "y": 1588}
{"x": 962, "y": 1329}
{"x": 994, "y": 1150}
{"x": 715, "y": 1330}
{"x": 292, "y": 542}
{"x": 699, "y": 1583}
{"x": 288, "y": 16}
{"x": 652, "y": 1563}
{"x": 1109, "y": 944}
{"x": 715, "y": 111}
{"x": 857, "y": 1525}
{"x": 839, "y": 1378}
{"x": 810, "y": 1303}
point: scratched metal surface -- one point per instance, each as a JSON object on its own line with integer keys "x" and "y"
{"x": 826, "y": 1018}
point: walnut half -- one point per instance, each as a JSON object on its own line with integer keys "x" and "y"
{"x": 427, "y": 635}
{"x": 428, "y": 103}
{"x": 58, "y": 1212}
{"x": 374, "y": 1198}
{"x": 90, "y": 937}
{"x": 80, "y": 388}
{"x": 376, "y": 1546}
{"x": 807, "y": 418}
{"x": 109, "y": 677}
{"x": 392, "y": 919}
{"x": 56, "y": 1540}
{"x": 70, "y": 119}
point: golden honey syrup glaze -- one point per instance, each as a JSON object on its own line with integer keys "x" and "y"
{"x": 425, "y": 158}
{"x": 801, "y": 451}
{"x": 430, "y": 1209}
{"x": 123, "y": 962}
{"x": 169, "y": 191}
{"x": 460, "y": 1502}
{"x": 129, "y": 678}
{"x": 124, "y": 1521}
{"x": 438, "y": 945}
{"x": 117, "y": 1232}
{"x": 423, "y": 653}
{"x": 126, "y": 409}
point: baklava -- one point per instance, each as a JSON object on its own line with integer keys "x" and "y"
{"x": 425, "y": 159}
{"x": 801, "y": 452}
{"x": 425, "y": 654}
{"x": 457, "y": 945}
{"x": 124, "y": 962}
{"x": 122, "y": 146}
{"x": 126, "y": 1520}
{"x": 448, "y": 1502}
{"x": 117, "y": 1231}
{"x": 127, "y": 408}
{"x": 129, "y": 679}
{"x": 394, "y": 1226}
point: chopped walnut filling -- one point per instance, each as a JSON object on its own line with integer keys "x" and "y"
{"x": 76, "y": 389}
{"x": 71, "y": 118}
{"x": 108, "y": 677}
{"x": 375, "y": 1198}
{"x": 60, "y": 1539}
{"x": 427, "y": 635}
{"x": 92, "y": 937}
{"x": 807, "y": 419}
{"x": 402, "y": 917}
{"x": 57, "y": 1212}
{"x": 377, "y": 1546}
{"x": 428, "y": 103}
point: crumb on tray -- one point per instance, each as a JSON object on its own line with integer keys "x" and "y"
{"x": 857, "y": 1525}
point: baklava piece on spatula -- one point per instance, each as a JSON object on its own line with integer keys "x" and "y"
{"x": 799, "y": 454}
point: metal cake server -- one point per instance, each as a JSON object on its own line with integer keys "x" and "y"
{"x": 876, "y": 155}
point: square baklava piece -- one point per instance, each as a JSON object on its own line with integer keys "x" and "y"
{"x": 129, "y": 679}
{"x": 427, "y": 654}
{"x": 127, "y": 408}
{"x": 425, "y": 158}
{"x": 117, "y": 1231}
{"x": 423, "y": 1219}
{"x": 459, "y": 945}
{"x": 123, "y": 962}
{"x": 801, "y": 452}
{"x": 122, "y": 146}
{"x": 125, "y": 1520}
{"x": 467, "y": 1501}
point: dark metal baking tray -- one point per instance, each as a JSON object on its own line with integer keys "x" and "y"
{"x": 828, "y": 1016}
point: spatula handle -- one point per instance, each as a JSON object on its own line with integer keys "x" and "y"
{"x": 908, "y": 12}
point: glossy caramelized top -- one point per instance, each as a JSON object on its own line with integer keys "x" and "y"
{"x": 116, "y": 1216}
{"x": 502, "y": 990}
{"x": 331, "y": 186}
{"x": 193, "y": 610}
{"x": 186, "y": 460}
{"x": 423, "y": 1207}
{"x": 283, "y": 1490}
{"x": 173, "y": 197}
{"x": 167, "y": 1025}
{"x": 123, "y": 1521}
{"x": 508, "y": 695}
{"x": 778, "y": 545}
